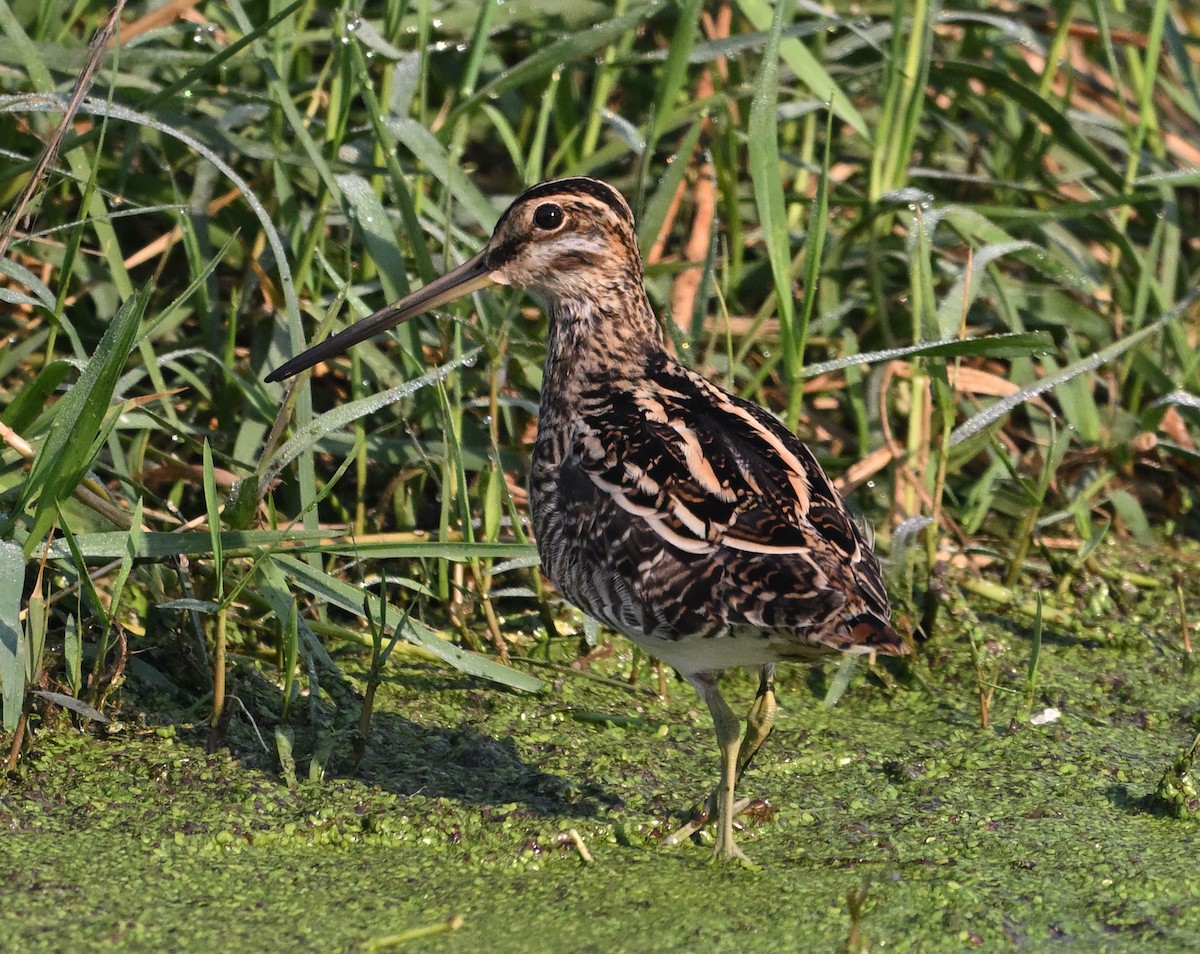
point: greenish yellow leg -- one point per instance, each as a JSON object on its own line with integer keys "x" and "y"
{"x": 758, "y": 727}
{"x": 761, "y": 720}
{"x": 728, "y": 729}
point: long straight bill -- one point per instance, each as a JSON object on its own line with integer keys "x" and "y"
{"x": 469, "y": 277}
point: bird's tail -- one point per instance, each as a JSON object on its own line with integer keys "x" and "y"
{"x": 871, "y": 633}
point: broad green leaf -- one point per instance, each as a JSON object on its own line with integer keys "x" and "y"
{"x": 36, "y": 614}
{"x": 73, "y": 654}
{"x": 65, "y": 456}
{"x": 374, "y": 225}
{"x": 1130, "y": 510}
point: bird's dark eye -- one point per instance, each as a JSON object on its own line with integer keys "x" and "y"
{"x": 548, "y": 216}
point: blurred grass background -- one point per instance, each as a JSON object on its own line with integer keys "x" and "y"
{"x": 952, "y": 245}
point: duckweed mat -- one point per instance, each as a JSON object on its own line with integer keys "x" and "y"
{"x": 892, "y": 821}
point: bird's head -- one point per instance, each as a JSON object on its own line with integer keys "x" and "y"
{"x": 563, "y": 239}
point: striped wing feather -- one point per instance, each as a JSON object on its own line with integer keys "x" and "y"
{"x": 755, "y": 534}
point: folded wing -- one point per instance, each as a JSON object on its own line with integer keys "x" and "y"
{"x": 731, "y": 509}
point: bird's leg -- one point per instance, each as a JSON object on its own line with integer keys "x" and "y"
{"x": 759, "y": 726}
{"x": 761, "y": 721}
{"x": 728, "y": 728}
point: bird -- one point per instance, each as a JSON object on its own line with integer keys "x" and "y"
{"x": 682, "y": 516}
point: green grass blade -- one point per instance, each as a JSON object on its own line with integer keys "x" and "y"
{"x": 133, "y": 543}
{"x": 806, "y": 67}
{"x": 1009, "y": 345}
{"x": 307, "y": 437}
{"x": 212, "y": 504}
{"x": 659, "y": 201}
{"x": 159, "y": 545}
{"x": 572, "y": 48}
{"x": 352, "y": 599}
{"x": 73, "y": 654}
{"x": 291, "y": 653}
{"x": 1002, "y": 407}
{"x": 23, "y": 276}
{"x": 275, "y": 587}
{"x": 371, "y": 221}
{"x": 12, "y": 639}
{"x": 674, "y": 70}
{"x": 425, "y": 147}
{"x": 768, "y": 196}
{"x": 1064, "y": 133}
{"x": 814, "y": 252}
{"x": 65, "y": 457}
{"x": 31, "y": 401}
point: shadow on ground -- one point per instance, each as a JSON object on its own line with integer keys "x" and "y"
{"x": 445, "y": 744}
{"x": 468, "y": 765}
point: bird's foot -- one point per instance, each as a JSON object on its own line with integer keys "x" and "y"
{"x": 702, "y": 815}
{"x": 727, "y": 852}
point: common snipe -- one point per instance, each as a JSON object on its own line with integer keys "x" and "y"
{"x": 684, "y": 517}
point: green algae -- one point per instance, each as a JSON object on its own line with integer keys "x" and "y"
{"x": 896, "y": 805}
{"x": 1178, "y": 791}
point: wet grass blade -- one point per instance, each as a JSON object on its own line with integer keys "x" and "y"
{"x": 808, "y": 69}
{"x": 814, "y": 254}
{"x": 1002, "y": 407}
{"x": 1008, "y": 345}
{"x": 307, "y": 436}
